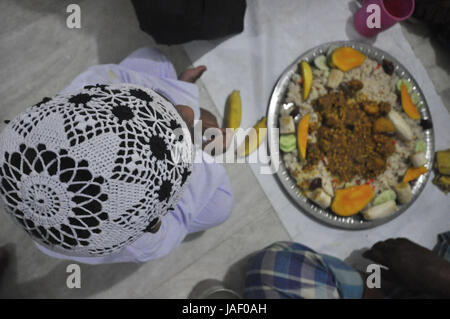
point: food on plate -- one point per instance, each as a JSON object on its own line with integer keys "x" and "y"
{"x": 415, "y": 98}
{"x": 413, "y": 173}
{"x": 330, "y": 51}
{"x": 253, "y": 139}
{"x": 321, "y": 198}
{"x": 350, "y": 201}
{"x": 420, "y": 147}
{"x": 360, "y": 138}
{"x": 404, "y": 193}
{"x": 385, "y": 196}
{"x": 401, "y": 126}
{"x": 302, "y": 135}
{"x": 288, "y": 143}
{"x": 307, "y": 77}
{"x": 347, "y": 58}
{"x": 418, "y": 159}
{"x": 380, "y": 211}
{"x": 287, "y": 125}
{"x": 408, "y": 105}
{"x": 335, "y": 78}
{"x": 234, "y": 113}
{"x": 388, "y": 67}
{"x": 321, "y": 63}
{"x": 426, "y": 124}
{"x": 383, "y": 125}
{"x": 405, "y": 82}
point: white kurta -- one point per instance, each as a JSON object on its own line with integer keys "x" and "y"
{"x": 208, "y": 199}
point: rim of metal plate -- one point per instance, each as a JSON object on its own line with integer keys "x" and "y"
{"x": 289, "y": 184}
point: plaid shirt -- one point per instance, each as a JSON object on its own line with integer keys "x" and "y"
{"x": 291, "y": 270}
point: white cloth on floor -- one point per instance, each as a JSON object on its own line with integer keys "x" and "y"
{"x": 275, "y": 35}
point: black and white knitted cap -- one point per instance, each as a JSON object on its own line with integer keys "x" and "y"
{"x": 89, "y": 173}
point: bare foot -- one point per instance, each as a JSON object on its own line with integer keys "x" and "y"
{"x": 193, "y": 74}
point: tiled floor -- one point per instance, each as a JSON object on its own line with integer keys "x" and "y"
{"x": 39, "y": 57}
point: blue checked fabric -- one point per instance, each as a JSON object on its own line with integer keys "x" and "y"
{"x": 286, "y": 270}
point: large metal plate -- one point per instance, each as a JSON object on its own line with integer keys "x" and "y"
{"x": 288, "y": 183}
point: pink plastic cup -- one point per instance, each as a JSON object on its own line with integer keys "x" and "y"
{"x": 391, "y": 12}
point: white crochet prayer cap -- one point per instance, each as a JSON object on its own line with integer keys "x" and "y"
{"x": 89, "y": 173}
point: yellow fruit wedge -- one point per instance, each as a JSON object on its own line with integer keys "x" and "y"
{"x": 234, "y": 110}
{"x": 254, "y": 139}
{"x": 302, "y": 135}
{"x": 307, "y": 79}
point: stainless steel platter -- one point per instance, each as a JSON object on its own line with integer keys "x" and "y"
{"x": 288, "y": 183}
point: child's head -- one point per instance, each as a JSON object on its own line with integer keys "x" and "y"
{"x": 87, "y": 174}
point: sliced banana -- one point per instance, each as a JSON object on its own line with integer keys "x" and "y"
{"x": 254, "y": 139}
{"x": 335, "y": 78}
{"x": 401, "y": 127}
{"x": 418, "y": 159}
{"x": 287, "y": 125}
{"x": 321, "y": 198}
{"x": 404, "y": 193}
{"x": 380, "y": 211}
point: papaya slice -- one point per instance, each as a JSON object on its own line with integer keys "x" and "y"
{"x": 349, "y": 201}
{"x": 408, "y": 105}
{"x": 302, "y": 135}
{"x": 414, "y": 172}
{"x": 347, "y": 58}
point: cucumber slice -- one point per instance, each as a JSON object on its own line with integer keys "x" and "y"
{"x": 415, "y": 98}
{"x": 406, "y": 82}
{"x": 420, "y": 147}
{"x": 331, "y": 50}
{"x": 321, "y": 63}
{"x": 384, "y": 197}
{"x": 288, "y": 143}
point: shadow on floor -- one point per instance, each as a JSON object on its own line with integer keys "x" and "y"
{"x": 115, "y": 27}
{"x": 234, "y": 279}
{"x": 442, "y": 54}
{"x": 95, "y": 279}
{"x": 193, "y": 236}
